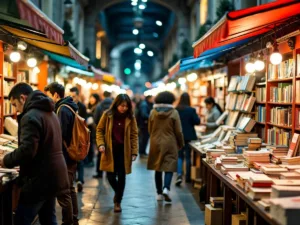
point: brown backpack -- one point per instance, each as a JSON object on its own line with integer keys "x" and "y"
{"x": 80, "y": 141}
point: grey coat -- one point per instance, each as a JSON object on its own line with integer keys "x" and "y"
{"x": 211, "y": 118}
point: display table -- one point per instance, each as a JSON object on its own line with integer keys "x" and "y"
{"x": 255, "y": 214}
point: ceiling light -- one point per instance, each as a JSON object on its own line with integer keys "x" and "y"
{"x": 134, "y": 3}
{"x": 95, "y": 86}
{"x": 142, "y": 6}
{"x": 22, "y": 45}
{"x": 137, "y": 65}
{"x": 250, "y": 68}
{"x": 135, "y": 31}
{"x": 259, "y": 64}
{"x": 36, "y": 70}
{"x": 142, "y": 46}
{"x": 15, "y": 56}
{"x": 31, "y": 62}
{"x": 192, "y": 77}
{"x": 144, "y": 0}
{"x": 159, "y": 23}
{"x": 155, "y": 35}
{"x": 150, "y": 53}
{"x": 127, "y": 71}
{"x": 276, "y": 57}
{"x": 138, "y": 51}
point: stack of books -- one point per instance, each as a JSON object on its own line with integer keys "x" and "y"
{"x": 283, "y": 93}
{"x": 240, "y": 139}
{"x": 285, "y": 210}
{"x": 259, "y": 186}
{"x": 254, "y": 143}
{"x": 294, "y": 145}
{"x": 256, "y": 156}
{"x": 285, "y": 191}
{"x": 281, "y": 116}
{"x": 231, "y": 168}
{"x": 290, "y": 176}
{"x": 228, "y": 160}
{"x": 278, "y": 150}
{"x": 273, "y": 170}
{"x": 260, "y": 180}
{"x": 286, "y": 182}
{"x": 277, "y": 136}
{"x": 259, "y": 193}
{"x": 291, "y": 161}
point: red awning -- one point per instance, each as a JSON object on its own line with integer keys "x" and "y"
{"x": 241, "y": 24}
{"x": 38, "y": 20}
{"x": 174, "y": 69}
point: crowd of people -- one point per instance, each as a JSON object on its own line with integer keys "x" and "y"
{"x": 120, "y": 130}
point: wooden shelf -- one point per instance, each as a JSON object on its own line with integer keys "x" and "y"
{"x": 261, "y": 103}
{"x": 9, "y": 78}
{"x": 279, "y": 103}
{"x": 280, "y": 126}
{"x": 297, "y": 129}
{"x": 6, "y": 115}
{"x": 298, "y": 77}
{"x": 280, "y": 80}
{"x": 261, "y": 84}
{"x": 297, "y": 103}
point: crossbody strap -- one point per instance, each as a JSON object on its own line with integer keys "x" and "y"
{"x": 67, "y": 107}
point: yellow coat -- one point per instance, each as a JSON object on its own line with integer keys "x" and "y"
{"x": 104, "y": 137}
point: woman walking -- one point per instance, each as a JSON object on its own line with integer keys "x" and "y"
{"x": 165, "y": 141}
{"x": 189, "y": 119}
{"x": 117, "y": 140}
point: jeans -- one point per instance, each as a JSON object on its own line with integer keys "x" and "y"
{"x": 80, "y": 171}
{"x": 143, "y": 141}
{"x": 185, "y": 151}
{"x": 26, "y": 213}
{"x": 167, "y": 181}
{"x": 68, "y": 201}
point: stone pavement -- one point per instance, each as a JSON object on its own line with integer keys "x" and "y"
{"x": 139, "y": 204}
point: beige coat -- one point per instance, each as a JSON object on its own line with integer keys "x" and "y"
{"x": 166, "y": 139}
{"x": 104, "y": 137}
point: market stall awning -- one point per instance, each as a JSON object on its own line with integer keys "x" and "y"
{"x": 195, "y": 64}
{"x": 38, "y": 40}
{"x": 174, "y": 69}
{"x": 103, "y": 76}
{"x": 79, "y": 71}
{"x": 241, "y": 24}
{"x": 39, "y": 20}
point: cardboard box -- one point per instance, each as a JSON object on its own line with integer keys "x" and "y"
{"x": 195, "y": 172}
{"x": 238, "y": 219}
{"x": 213, "y": 216}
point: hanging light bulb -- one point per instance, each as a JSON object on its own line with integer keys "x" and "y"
{"x": 36, "y": 70}
{"x": 276, "y": 57}
{"x": 250, "y": 67}
{"x": 15, "y": 56}
{"x": 22, "y": 45}
{"x": 259, "y": 64}
{"x": 31, "y": 62}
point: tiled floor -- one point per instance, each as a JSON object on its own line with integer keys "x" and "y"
{"x": 139, "y": 204}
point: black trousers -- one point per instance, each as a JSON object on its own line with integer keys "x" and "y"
{"x": 143, "y": 139}
{"x": 117, "y": 179}
{"x": 98, "y": 171}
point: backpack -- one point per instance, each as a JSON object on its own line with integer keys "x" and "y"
{"x": 80, "y": 141}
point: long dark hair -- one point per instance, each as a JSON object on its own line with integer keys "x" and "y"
{"x": 97, "y": 98}
{"x": 211, "y": 100}
{"x": 184, "y": 101}
{"x": 118, "y": 101}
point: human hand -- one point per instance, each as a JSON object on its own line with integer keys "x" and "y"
{"x": 133, "y": 157}
{"x": 102, "y": 149}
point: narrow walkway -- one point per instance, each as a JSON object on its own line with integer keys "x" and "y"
{"x": 139, "y": 204}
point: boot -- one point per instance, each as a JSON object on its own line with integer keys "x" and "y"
{"x": 117, "y": 208}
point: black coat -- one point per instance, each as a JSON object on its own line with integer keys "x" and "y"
{"x": 101, "y": 107}
{"x": 144, "y": 114}
{"x": 66, "y": 118}
{"x": 43, "y": 171}
{"x": 82, "y": 110}
{"x": 189, "y": 119}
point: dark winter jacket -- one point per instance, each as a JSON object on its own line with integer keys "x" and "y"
{"x": 189, "y": 119}
{"x": 66, "y": 118}
{"x": 43, "y": 171}
{"x": 82, "y": 110}
{"x": 144, "y": 114}
{"x": 101, "y": 108}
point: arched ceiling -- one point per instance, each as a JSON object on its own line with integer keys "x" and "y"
{"x": 118, "y": 22}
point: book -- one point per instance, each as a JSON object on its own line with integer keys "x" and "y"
{"x": 259, "y": 193}
{"x": 281, "y": 116}
{"x": 291, "y": 161}
{"x": 294, "y": 145}
{"x": 264, "y": 204}
{"x": 246, "y": 124}
{"x": 290, "y": 176}
{"x": 298, "y": 88}
{"x": 261, "y": 94}
{"x": 278, "y": 136}
{"x": 222, "y": 117}
{"x": 283, "y": 93}
{"x": 233, "y": 83}
{"x": 273, "y": 170}
{"x": 238, "y": 167}
{"x": 285, "y": 191}
{"x": 286, "y": 182}
{"x": 260, "y": 180}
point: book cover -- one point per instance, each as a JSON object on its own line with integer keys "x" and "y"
{"x": 293, "y": 145}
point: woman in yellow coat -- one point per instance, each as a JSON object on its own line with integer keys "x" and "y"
{"x": 117, "y": 140}
{"x": 166, "y": 139}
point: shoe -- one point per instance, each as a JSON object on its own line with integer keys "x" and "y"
{"x": 179, "y": 180}
{"x": 79, "y": 186}
{"x": 166, "y": 195}
{"x": 117, "y": 208}
{"x": 97, "y": 176}
{"x": 159, "y": 197}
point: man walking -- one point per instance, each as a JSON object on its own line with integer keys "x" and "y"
{"x": 101, "y": 108}
{"x": 144, "y": 110}
{"x": 74, "y": 93}
{"x": 43, "y": 171}
{"x": 66, "y": 117}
